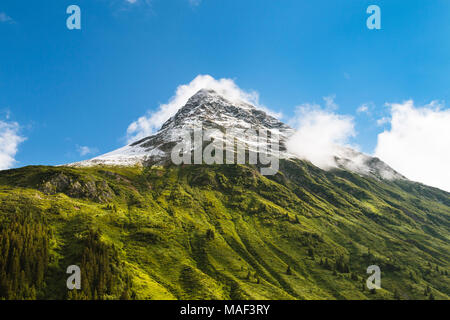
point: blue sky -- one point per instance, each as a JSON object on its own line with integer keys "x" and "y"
{"x": 69, "y": 89}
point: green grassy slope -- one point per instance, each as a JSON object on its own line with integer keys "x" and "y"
{"x": 220, "y": 232}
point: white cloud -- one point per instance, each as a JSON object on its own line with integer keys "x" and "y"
{"x": 150, "y": 123}
{"x": 195, "y": 3}
{"x": 418, "y": 143}
{"x": 320, "y": 134}
{"x": 329, "y": 102}
{"x": 9, "y": 142}
{"x": 6, "y": 113}
{"x": 364, "y": 108}
{"x": 5, "y": 18}
{"x": 84, "y": 150}
{"x": 367, "y": 108}
{"x": 138, "y": 3}
{"x": 383, "y": 121}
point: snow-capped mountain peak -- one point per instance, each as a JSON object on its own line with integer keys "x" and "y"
{"x": 209, "y": 110}
{"x": 206, "y": 109}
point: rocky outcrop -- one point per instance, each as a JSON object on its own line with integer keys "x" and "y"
{"x": 96, "y": 190}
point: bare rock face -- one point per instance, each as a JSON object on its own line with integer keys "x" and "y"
{"x": 98, "y": 191}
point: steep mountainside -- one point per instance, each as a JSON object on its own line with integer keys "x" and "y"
{"x": 140, "y": 227}
{"x": 220, "y": 232}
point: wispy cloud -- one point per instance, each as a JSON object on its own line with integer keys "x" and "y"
{"x": 121, "y": 6}
{"x": 4, "y": 18}
{"x": 329, "y": 102}
{"x": 365, "y": 108}
{"x": 85, "y": 150}
{"x": 9, "y": 143}
{"x": 195, "y": 3}
{"x": 320, "y": 133}
{"x": 417, "y": 144}
{"x": 362, "y": 108}
{"x": 383, "y": 121}
{"x": 6, "y": 112}
{"x": 137, "y": 3}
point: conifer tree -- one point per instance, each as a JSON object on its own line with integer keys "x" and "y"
{"x": 288, "y": 270}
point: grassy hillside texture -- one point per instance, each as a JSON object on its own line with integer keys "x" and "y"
{"x": 220, "y": 232}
